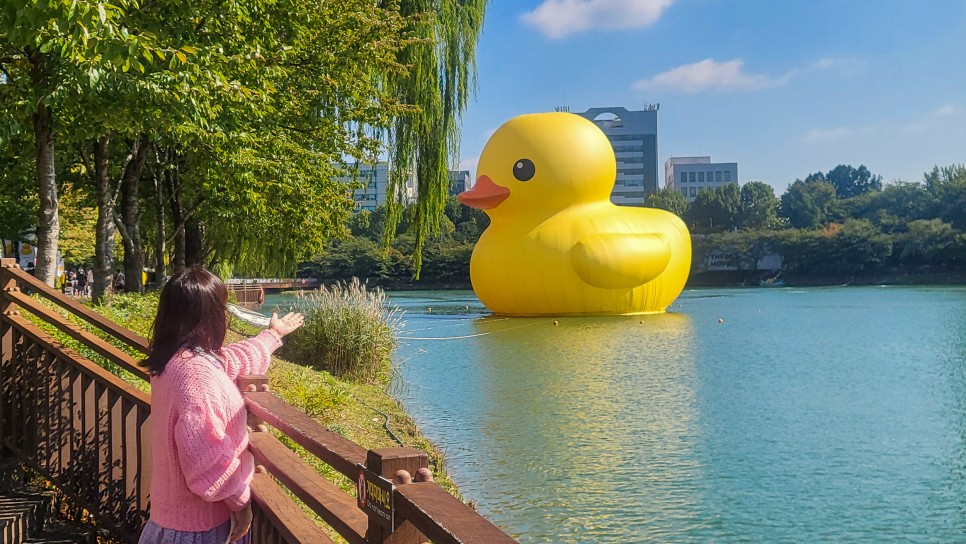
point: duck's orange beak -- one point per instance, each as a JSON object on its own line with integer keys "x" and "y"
{"x": 484, "y": 195}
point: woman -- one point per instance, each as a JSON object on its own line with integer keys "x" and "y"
{"x": 202, "y": 469}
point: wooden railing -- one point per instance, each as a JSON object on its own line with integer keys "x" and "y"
{"x": 88, "y": 431}
{"x": 248, "y": 295}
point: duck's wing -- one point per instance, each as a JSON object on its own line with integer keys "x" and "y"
{"x": 614, "y": 261}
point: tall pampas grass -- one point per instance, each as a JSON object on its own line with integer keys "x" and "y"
{"x": 349, "y": 331}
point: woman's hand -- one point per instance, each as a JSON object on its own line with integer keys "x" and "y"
{"x": 241, "y": 522}
{"x": 286, "y": 324}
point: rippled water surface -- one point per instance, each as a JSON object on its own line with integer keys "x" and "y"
{"x": 758, "y": 415}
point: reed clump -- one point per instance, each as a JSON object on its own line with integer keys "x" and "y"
{"x": 349, "y": 331}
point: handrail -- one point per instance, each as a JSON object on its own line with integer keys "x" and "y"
{"x": 443, "y": 518}
{"x": 80, "y": 363}
{"x": 332, "y": 504}
{"x": 102, "y": 348}
{"x": 127, "y": 336}
{"x": 336, "y": 451}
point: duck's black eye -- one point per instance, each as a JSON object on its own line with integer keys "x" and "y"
{"x": 524, "y": 169}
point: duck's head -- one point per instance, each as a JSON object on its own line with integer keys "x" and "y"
{"x": 541, "y": 163}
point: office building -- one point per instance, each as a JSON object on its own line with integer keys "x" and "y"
{"x": 633, "y": 135}
{"x": 459, "y": 181}
{"x": 690, "y": 175}
{"x": 375, "y": 180}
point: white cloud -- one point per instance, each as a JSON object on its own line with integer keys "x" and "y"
{"x": 846, "y": 66}
{"x": 709, "y": 74}
{"x": 922, "y": 123}
{"x": 561, "y": 18}
{"x": 947, "y": 110}
{"x": 826, "y": 135}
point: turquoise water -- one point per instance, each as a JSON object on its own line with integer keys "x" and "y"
{"x": 757, "y": 415}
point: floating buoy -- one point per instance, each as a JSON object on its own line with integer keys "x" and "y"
{"x": 555, "y": 322}
{"x": 720, "y": 320}
{"x": 429, "y": 310}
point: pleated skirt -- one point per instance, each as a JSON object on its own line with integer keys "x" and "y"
{"x": 155, "y": 534}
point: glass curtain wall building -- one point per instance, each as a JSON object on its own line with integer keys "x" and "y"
{"x": 633, "y": 135}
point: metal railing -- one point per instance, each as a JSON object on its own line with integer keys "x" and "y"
{"x": 88, "y": 431}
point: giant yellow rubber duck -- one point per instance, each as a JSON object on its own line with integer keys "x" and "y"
{"x": 556, "y": 244}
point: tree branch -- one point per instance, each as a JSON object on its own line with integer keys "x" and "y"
{"x": 184, "y": 220}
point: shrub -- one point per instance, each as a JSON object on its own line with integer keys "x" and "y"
{"x": 349, "y": 331}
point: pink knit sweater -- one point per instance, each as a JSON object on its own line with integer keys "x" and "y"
{"x": 201, "y": 467}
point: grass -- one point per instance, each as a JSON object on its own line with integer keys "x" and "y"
{"x": 354, "y": 405}
{"x": 349, "y": 332}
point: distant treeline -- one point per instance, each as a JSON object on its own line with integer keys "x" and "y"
{"x": 841, "y": 224}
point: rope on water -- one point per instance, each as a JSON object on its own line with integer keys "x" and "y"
{"x": 464, "y": 336}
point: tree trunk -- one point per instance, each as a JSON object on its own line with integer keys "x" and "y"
{"x": 130, "y": 216}
{"x": 177, "y": 219}
{"x": 194, "y": 243}
{"x": 159, "y": 237}
{"x": 48, "y": 218}
{"x": 105, "y": 230}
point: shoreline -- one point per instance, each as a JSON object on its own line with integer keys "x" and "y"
{"x": 718, "y": 279}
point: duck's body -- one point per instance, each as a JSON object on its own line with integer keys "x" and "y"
{"x": 556, "y": 245}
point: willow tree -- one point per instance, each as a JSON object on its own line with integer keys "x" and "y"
{"x": 440, "y": 75}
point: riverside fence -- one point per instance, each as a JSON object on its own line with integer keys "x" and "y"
{"x": 88, "y": 431}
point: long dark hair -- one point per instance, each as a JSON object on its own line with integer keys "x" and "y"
{"x": 192, "y": 312}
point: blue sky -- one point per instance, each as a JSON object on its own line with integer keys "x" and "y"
{"x": 783, "y": 87}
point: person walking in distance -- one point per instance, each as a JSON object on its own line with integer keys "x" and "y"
{"x": 202, "y": 469}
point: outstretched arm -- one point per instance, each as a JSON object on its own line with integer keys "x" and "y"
{"x": 253, "y": 355}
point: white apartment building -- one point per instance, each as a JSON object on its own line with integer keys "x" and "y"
{"x": 633, "y": 135}
{"x": 689, "y": 175}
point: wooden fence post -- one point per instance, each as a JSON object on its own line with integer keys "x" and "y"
{"x": 6, "y": 339}
{"x": 386, "y": 462}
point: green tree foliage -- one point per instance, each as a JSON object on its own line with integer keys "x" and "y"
{"x": 668, "y": 199}
{"x": 894, "y": 206}
{"x": 948, "y": 186}
{"x": 929, "y": 242}
{"x": 759, "y": 206}
{"x": 854, "y": 247}
{"x": 807, "y": 204}
{"x": 715, "y": 210}
{"x": 849, "y": 181}
{"x": 77, "y": 231}
{"x": 439, "y": 77}
{"x": 18, "y": 198}
{"x": 445, "y": 259}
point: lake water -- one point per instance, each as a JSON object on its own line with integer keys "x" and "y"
{"x": 742, "y": 415}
